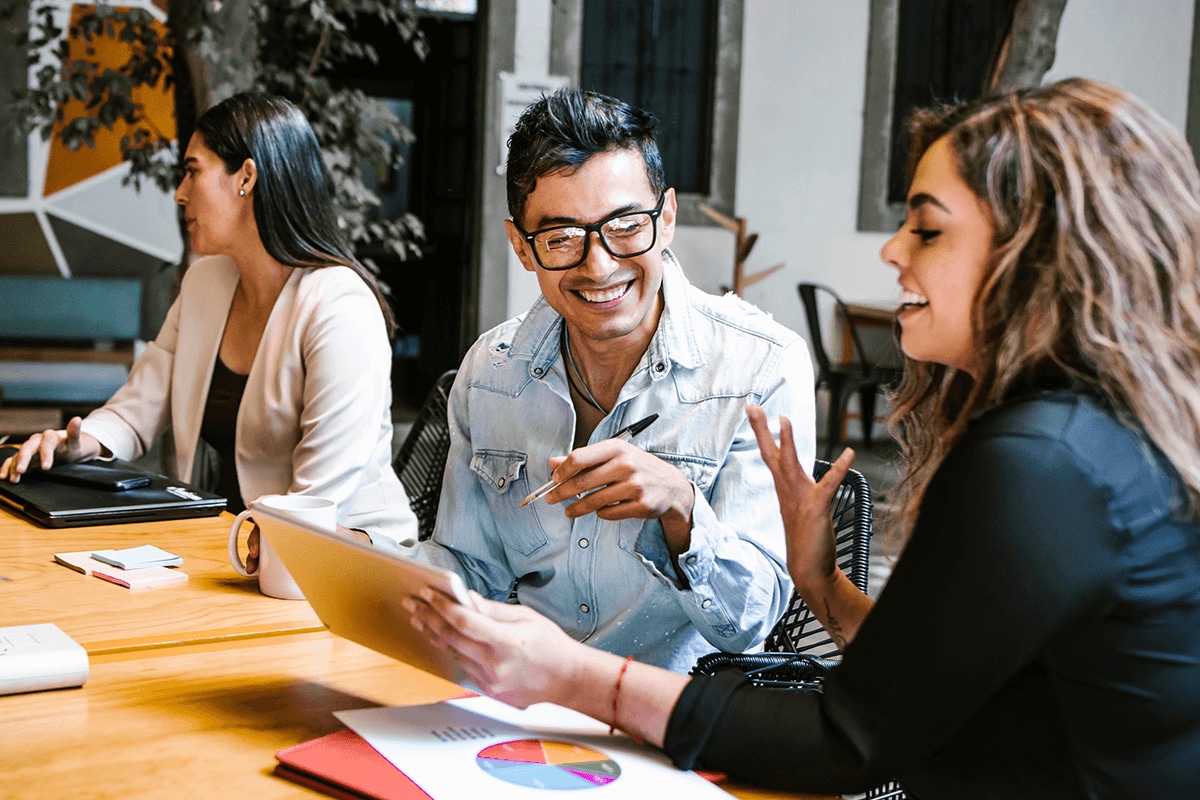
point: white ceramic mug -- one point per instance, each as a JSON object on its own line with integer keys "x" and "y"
{"x": 273, "y": 578}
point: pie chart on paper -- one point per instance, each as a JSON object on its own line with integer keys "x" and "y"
{"x": 545, "y": 764}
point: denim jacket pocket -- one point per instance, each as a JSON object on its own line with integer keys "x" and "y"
{"x": 506, "y": 483}
{"x": 697, "y": 469}
{"x": 500, "y": 469}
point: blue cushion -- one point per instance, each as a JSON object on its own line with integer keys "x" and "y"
{"x": 60, "y": 381}
{"x": 70, "y": 308}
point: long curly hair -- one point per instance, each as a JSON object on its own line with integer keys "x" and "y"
{"x": 1095, "y": 203}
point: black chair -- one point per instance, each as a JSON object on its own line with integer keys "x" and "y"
{"x": 843, "y": 379}
{"x": 798, "y": 652}
{"x": 799, "y": 630}
{"x": 421, "y": 461}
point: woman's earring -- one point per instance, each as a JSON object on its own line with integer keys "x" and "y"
{"x": 241, "y": 192}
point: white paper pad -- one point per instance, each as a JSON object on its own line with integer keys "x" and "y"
{"x": 458, "y": 749}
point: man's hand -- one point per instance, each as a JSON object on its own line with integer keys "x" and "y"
{"x": 619, "y": 480}
{"x": 70, "y": 444}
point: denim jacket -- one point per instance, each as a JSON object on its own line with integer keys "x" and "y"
{"x": 611, "y": 583}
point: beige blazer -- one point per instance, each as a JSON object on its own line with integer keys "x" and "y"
{"x": 315, "y": 417}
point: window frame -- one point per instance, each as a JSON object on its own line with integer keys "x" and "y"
{"x": 875, "y": 213}
{"x": 565, "y": 55}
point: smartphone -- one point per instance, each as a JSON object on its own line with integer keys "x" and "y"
{"x": 93, "y": 475}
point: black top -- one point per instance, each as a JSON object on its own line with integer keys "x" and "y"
{"x": 1039, "y": 637}
{"x": 219, "y": 429}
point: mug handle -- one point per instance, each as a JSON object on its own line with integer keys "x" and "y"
{"x": 235, "y": 558}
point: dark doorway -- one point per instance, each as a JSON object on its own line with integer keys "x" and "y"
{"x": 944, "y": 52}
{"x": 437, "y": 184}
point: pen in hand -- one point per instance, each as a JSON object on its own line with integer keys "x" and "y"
{"x": 625, "y": 434}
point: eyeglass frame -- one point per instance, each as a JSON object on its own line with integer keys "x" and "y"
{"x": 595, "y": 227}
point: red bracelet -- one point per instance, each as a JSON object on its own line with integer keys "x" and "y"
{"x": 617, "y": 695}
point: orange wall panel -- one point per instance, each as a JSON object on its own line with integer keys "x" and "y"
{"x": 66, "y": 167}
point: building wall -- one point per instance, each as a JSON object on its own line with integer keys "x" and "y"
{"x": 803, "y": 87}
{"x": 800, "y": 131}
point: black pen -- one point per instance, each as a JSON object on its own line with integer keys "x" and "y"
{"x": 625, "y": 434}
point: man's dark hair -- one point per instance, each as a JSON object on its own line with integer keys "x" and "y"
{"x": 565, "y": 129}
{"x": 292, "y": 203}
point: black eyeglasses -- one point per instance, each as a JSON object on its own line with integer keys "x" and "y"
{"x": 624, "y": 235}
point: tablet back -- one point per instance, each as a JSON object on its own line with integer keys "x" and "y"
{"x": 357, "y": 590}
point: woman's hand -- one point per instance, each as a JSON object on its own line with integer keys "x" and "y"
{"x": 803, "y": 502}
{"x": 252, "y": 547}
{"x": 807, "y": 523}
{"x": 70, "y": 444}
{"x": 510, "y": 652}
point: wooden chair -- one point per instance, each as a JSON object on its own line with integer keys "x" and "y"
{"x": 843, "y": 379}
{"x": 421, "y": 460}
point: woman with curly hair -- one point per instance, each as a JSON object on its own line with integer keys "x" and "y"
{"x": 1040, "y": 634}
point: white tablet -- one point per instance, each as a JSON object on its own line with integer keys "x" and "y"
{"x": 357, "y": 590}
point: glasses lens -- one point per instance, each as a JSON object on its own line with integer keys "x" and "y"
{"x": 559, "y": 248}
{"x": 630, "y": 235}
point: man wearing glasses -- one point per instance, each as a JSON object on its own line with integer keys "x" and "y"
{"x": 666, "y": 546}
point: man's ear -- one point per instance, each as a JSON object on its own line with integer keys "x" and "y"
{"x": 520, "y": 246}
{"x": 666, "y": 222}
{"x": 247, "y": 176}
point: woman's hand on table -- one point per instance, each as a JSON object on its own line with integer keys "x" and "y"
{"x": 68, "y": 444}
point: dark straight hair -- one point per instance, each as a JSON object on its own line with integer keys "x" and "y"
{"x": 562, "y": 130}
{"x": 292, "y": 203}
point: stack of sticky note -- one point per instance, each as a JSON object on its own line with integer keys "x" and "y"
{"x": 138, "y": 557}
{"x": 145, "y": 567}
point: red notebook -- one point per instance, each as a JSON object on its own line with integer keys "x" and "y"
{"x": 343, "y": 765}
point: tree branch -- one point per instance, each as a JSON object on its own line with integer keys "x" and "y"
{"x": 1028, "y": 50}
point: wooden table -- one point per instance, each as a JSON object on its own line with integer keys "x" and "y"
{"x": 192, "y": 689}
{"x": 215, "y": 604}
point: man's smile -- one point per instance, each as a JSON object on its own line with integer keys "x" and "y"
{"x": 606, "y": 295}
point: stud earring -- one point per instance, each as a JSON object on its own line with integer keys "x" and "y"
{"x": 241, "y": 192}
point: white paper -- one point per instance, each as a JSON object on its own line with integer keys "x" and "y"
{"x": 439, "y": 747}
{"x": 518, "y": 92}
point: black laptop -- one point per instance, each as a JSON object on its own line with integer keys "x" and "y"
{"x": 56, "y": 504}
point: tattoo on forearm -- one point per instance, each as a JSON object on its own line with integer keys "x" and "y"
{"x": 834, "y": 628}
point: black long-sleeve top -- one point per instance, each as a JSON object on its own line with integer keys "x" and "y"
{"x": 1039, "y": 637}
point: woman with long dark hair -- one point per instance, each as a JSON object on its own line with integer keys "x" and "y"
{"x": 1040, "y": 634}
{"x": 275, "y": 354}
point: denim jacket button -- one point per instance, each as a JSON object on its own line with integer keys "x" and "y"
{"x": 584, "y": 607}
{"x": 660, "y": 367}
